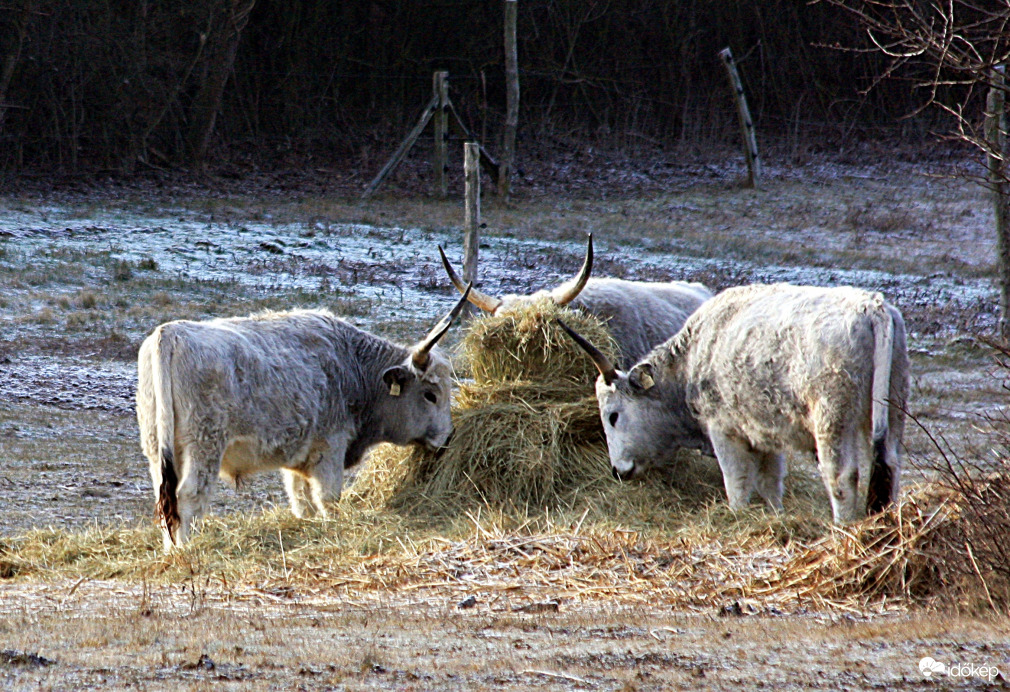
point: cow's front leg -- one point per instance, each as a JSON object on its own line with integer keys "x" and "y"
{"x": 738, "y": 464}
{"x": 770, "y": 481}
{"x": 317, "y": 483}
{"x": 299, "y": 493}
{"x": 325, "y": 483}
{"x": 326, "y": 477}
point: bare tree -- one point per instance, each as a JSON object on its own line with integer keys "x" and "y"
{"x": 956, "y": 52}
{"x": 508, "y": 155}
{"x": 223, "y": 41}
{"x": 17, "y": 21}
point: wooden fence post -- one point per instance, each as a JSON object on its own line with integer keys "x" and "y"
{"x": 471, "y": 214}
{"x": 750, "y": 148}
{"x": 996, "y": 161}
{"x": 508, "y": 148}
{"x": 440, "y": 89}
{"x": 404, "y": 147}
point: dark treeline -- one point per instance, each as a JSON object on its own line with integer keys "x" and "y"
{"x": 119, "y": 85}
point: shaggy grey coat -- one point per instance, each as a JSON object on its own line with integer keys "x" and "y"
{"x": 760, "y": 369}
{"x": 304, "y": 392}
{"x": 640, "y": 314}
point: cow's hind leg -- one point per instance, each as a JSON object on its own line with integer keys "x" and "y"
{"x": 738, "y": 463}
{"x": 838, "y": 461}
{"x": 299, "y": 493}
{"x": 201, "y": 462}
{"x": 770, "y": 481}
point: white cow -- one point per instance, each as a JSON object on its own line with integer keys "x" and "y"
{"x": 763, "y": 368}
{"x": 304, "y": 392}
{"x": 640, "y": 314}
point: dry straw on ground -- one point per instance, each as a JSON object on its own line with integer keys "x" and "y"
{"x": 522, "y": 506}
{"x": 734, "y": 563}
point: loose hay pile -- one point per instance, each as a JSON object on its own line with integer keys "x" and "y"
{"x": 728, "y": 563}
{"x": 527, "y": 429}
{"x": 528, "y": 433}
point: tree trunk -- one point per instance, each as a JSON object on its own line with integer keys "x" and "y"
{"x": 508, "y": 149}
{"x": 19, "y": 20}
{"x": 998, "y": 153}
{"x": 222, "y": 47}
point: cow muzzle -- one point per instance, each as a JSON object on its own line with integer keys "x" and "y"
{"x": 436, "y": 447}
{"x": 622, "y": 475}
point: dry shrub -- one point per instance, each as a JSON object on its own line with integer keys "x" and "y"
{"x": 895, "y": 554}
{"x": 934, "y": 544}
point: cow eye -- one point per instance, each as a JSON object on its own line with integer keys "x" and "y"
{"x": 613, "y": 419}
{"x": 430, "y": 396}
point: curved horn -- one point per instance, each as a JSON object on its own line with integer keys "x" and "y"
{"x": 419, "y": 356}
{"x": 484, "y": 302}
{"x": 574, "y": 288}
{"x": 602, "y": 363}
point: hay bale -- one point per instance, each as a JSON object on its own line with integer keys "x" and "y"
{"x": 528, "y": 431}
{"x": 525, "y": 344}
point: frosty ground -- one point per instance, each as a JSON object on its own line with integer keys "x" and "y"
{"x": 85, "y": 277}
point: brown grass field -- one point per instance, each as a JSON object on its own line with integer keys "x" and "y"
{"x": 643, "y": 585}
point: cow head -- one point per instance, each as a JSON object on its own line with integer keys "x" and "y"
{"x": 416, "y": 407}
{"x": 640, "y": 419}
{"x": 562, "y": 295}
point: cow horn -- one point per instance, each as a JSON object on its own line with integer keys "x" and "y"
{"x": 602, "y": 363}
{"x": 484, "y": 302}
{"x": 570, "y": 290}
{"x": 419, "y": 357}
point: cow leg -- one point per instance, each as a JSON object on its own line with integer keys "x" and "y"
{"x": 838, "y": 461}
{"x": 771, "y": 474}
{"x": 738, "y": 463}
{"x": 299, "y": 493}
{"x": 326, "y": 477}
{"x": 201, "y": 462}
{"x": 325, "y": 481}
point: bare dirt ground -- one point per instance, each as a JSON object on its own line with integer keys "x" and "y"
{"x": 116, "y": 636}
{"x": 86, "y": 273}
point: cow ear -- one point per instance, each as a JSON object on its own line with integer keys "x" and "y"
{"x": 396, "y": 378}
{"x": 641, "y": 377}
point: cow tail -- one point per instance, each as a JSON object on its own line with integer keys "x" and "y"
{"x": 167, "y": 507}
{"x": 882, "y": 480}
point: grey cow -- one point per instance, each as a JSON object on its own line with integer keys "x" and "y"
{"x": 640, "y": 314}
{"x": 304, "y": 392}
{"x": 763, "y": 368}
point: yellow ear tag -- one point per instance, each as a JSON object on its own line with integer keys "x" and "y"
{"x": 645, "y": 379}
{"x": 394, "y": 389}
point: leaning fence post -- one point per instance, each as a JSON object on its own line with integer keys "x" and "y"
{"x": 440, "y": 87}
{"x": 750, "y": 148}
{"x": 471, "y": 214}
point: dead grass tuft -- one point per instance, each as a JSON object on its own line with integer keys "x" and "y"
{"x": 918, "y": 550}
